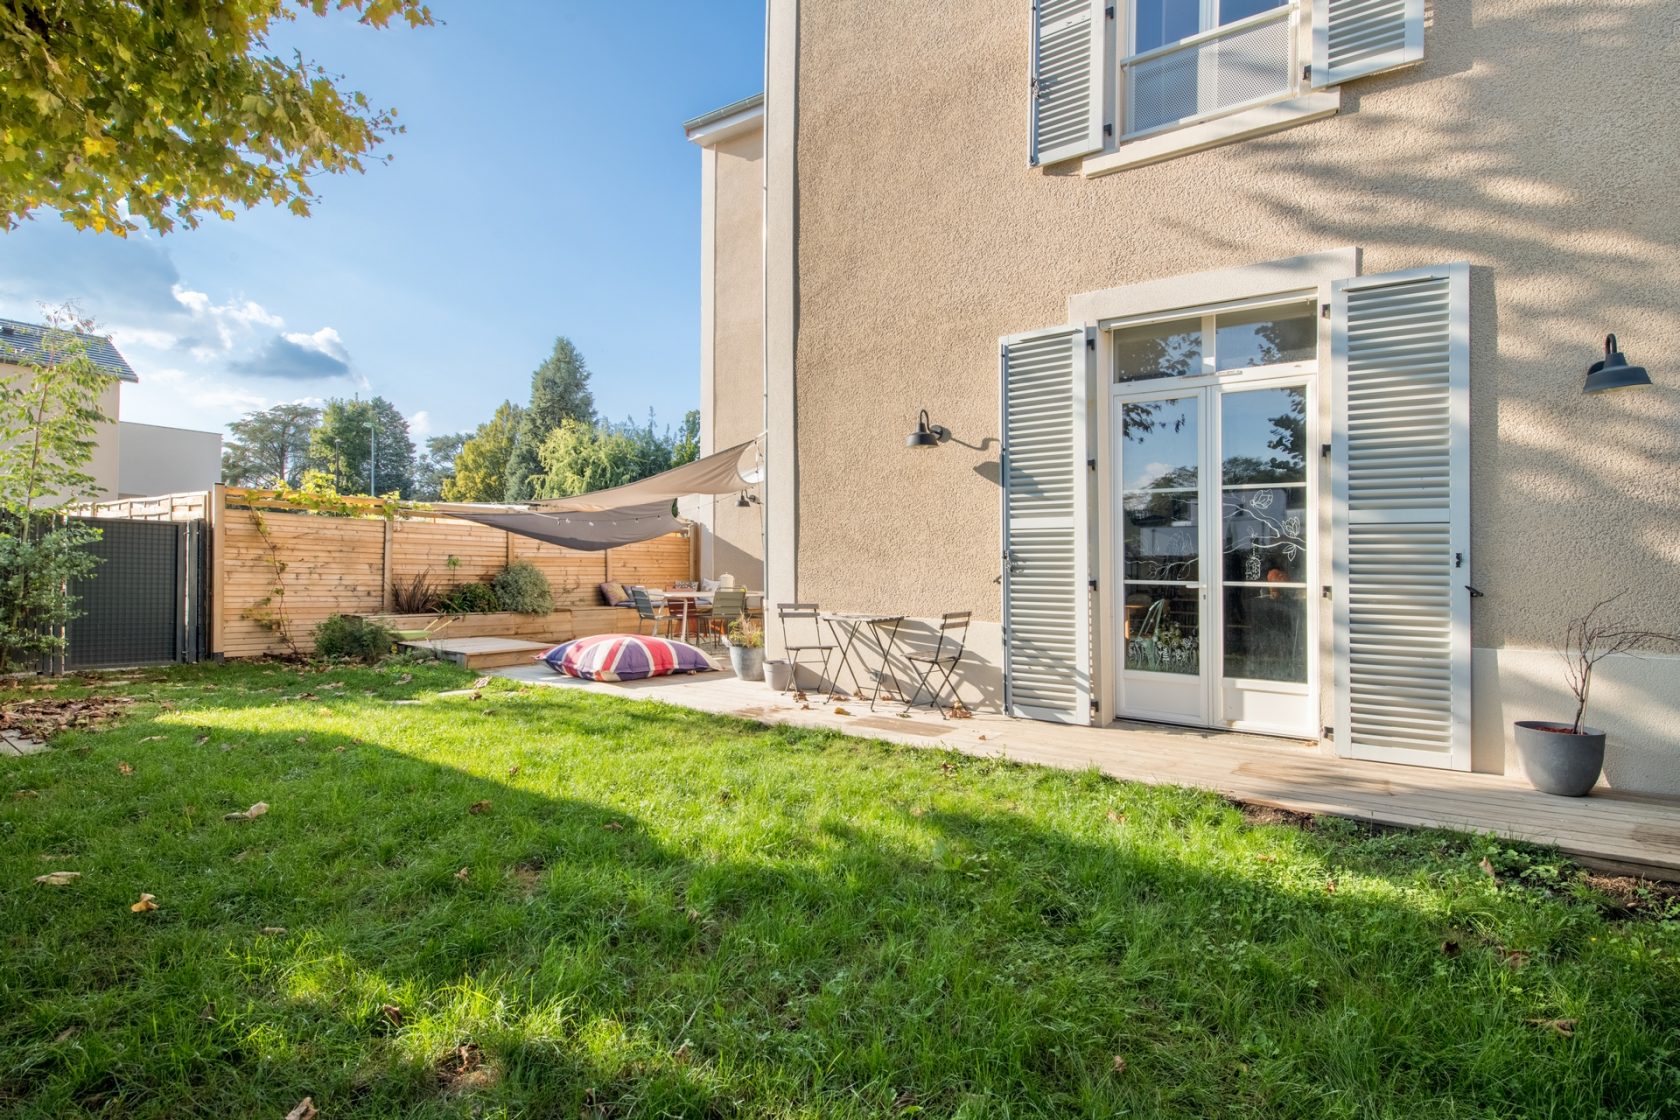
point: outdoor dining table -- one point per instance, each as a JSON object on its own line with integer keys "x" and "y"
{"x": 692, "y": 603}
{"x": 847, "y": 626}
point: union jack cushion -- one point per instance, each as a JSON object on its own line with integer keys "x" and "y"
{"x": 625, "y": 657}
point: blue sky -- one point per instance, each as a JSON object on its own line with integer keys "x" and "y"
{"x": 543, "y": 187}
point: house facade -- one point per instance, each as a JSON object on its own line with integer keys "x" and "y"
{"x": 731, "y": 143}
{"x": 24, "y": 345}
{"x": 1260, "y": 334}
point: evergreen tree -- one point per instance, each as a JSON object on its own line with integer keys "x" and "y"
{"x": 559, "y": 392}
{"x": 355, "y": 434}
{"x": 480, "y": 468}
{"x": 436, "y": 465}
{"x": 269, "y": 447}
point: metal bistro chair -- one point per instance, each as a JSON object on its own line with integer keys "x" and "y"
{"x": 728, "y": 605}
{"x": 649, "y": 611}
{"x": 953, "y": 633}
{"x": 803, "y": 615}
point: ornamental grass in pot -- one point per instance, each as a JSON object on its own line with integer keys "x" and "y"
{"x": 746, "y": 649}
{"x": 1567, "y": 758}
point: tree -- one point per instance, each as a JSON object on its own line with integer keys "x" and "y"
{"x": 436, "y": 465}
{"x": 481, "y": 466}
{"x": 559, "y": 392}
{"x": 269, "y": 447}
{"x": 580, "y": 458}
{"x": 112, "y": 111}
{"x": 49, "y": 416}
{"x": 686, "y": 447}
{"x": 357, "y": 435}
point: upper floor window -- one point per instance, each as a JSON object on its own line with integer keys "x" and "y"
{"x": 1141, "y": 80}
{"x": 1191, "y": 59}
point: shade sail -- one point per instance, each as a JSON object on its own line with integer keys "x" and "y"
{"x": 606, "y": 519}
{"x": 718, "y": 473}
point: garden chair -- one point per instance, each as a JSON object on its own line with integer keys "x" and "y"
{"x": 946, "y": 655}
{"x": 728, "y": 606}
{"x": 803, "y": 636}
{"x": 649, "y": 611}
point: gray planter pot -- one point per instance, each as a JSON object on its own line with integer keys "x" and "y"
{"x": 1560, "y": 762}
{"x": 748, "y": 662}
{"x": 779, "y": 673}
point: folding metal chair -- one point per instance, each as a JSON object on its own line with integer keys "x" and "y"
{"x": 953, "y": 633}
{"x": 648, "y": 610}
{"x": 801, "y": 614}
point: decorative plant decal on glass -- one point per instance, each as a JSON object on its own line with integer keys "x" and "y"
{"x": 1161, "y": 646}
{"x": 1268, "y": 539}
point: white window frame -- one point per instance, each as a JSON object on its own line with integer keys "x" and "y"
{"x": 1297, "y": 12}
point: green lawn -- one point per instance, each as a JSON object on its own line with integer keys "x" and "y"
{"x": 654, "y": 912}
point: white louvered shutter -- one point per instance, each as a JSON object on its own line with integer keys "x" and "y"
{"x": 1353, "y": 38}
{"x": 1046, "y": 591}
{"x": 1067, "y": 78}
{"x": 1400, "y": 374}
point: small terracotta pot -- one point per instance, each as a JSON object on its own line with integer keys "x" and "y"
{"x": 1558, "y": 760}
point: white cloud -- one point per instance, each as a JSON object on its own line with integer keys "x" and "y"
{"x": 324, "y": 341}
{"x": 420, "y": 425}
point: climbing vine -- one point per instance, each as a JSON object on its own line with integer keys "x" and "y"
{"x": 269, "y": 612}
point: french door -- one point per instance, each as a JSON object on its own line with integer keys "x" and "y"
{"x": 1217, "y": 528}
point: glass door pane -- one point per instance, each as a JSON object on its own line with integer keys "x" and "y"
{"x": 1265, "y": 533}
{"x": 1163, "y": 535}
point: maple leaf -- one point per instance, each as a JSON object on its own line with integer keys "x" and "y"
{"x": 304, "y": 1110}
{"x": 463, "y": 873}
{"x": 613, "y": 826}
{"x": 124, "y": 769}
{"x": 250, "y": 814}
{"x": 147, "y": 902}
{"x": 512, "y": 770}
{"x": 58, "y": 878}
{"x": 478, "y": 808}
{"x": 1116, "y": 817}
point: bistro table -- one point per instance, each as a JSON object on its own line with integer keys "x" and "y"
{"x": 691, "y": 603}
{"x": 847, "y": 626}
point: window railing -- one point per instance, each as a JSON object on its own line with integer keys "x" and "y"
{"x": 1244, "y": 63}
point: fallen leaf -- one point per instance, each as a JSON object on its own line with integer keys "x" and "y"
{"x": 58, "y": 878}
{"x": 301, "y": 739}
{"x": 1449, "y": 948}
{"x": 463, "y": 873}
{"x": 683, "y": 1053}
{"x": 250, "y": 814}
{"x": 405, "y": 678}
{"x": 918, "y": 811}
{"x": 208, "y": 1013}
{"x": 481, "y": 682}
{"x": 839, "y": 711}
{"x": 392, "y": 1014}
{"x": 1563, "y": 1027}
{"x": 1329, "y": 886}
{"x": 201, "y": 740}
{"x": 479, "y": 807}
{"x": 338, "y": 749}
{"x": 982, "y": 738}
{"x": 305, "y": 1110}
{"x": 1513, "y": 958}
{"x": 242, "y": 856}
{"x": 613, "y": 826}
{"x": 273, "y": 931}
{"x": 1119, "y": 1064}
{"x": 958, "y": 711}
{"x": 124, "y": 769}
{"x": 1487, "y": 869}
{"x": 147, "y": 902}
{"x": 1265, "y": 857}
{"x": 67, "y": 1034}
{"x": 800, "y": 695}
{"x": 307, "y": 696}
{"x": 725, "y": 796}
{"x": 23, "y": 794}
{"x": 151, "y": 738}
{"x": 513, "y": 770}
{"x": 693, "y": 914}
{"x": 1116, "y": 817}
{"x": 804, "y": 707}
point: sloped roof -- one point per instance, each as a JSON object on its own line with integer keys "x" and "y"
{"x": 24, "y": 343}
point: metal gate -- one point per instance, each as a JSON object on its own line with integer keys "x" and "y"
{"x": 145, "y": 604}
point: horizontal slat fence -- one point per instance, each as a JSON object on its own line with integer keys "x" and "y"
{"x": 346, "y": 565}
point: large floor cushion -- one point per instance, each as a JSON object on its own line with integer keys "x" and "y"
{"x": 625, "y": 657}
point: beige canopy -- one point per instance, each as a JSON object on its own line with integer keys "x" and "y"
{"x": 639, "y": 511}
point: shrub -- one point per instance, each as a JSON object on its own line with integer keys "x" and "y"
{"x": 417, "y": 596}
{"x": 746, "y": 633}
{"x": 35, "y": 599}
{"x": 522, "y": 587}
{"x": 351, "y": 636}
{"x": 470, "y": 598}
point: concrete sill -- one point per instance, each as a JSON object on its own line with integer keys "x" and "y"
{"x": 1258, "y": 121}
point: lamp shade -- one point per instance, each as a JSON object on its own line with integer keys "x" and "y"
{"x": 1614, "y": 372}
{"x": 926, "y": 434}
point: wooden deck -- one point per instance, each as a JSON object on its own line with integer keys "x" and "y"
{"x": 480, "y": 653}
{"x": 1609, "y": 830}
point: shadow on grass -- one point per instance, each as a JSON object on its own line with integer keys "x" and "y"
{"x": 788, "y": 923}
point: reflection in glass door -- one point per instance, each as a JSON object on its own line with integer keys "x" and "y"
{"x": 1216, "y": 526}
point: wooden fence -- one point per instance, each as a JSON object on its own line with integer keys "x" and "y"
{"x": 349, "y": 564}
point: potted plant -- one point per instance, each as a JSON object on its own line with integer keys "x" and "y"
{"x": 746, "y": 649}
{"x": 1567, "y": 758}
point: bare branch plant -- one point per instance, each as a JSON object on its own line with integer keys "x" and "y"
{"x": 1591, "y": 638}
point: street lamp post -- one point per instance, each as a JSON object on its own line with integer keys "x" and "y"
{"x": 373, "y": 460}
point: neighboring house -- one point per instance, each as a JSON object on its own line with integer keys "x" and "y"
{"x": 157, "y": 460}
{"x": 1260, "y": 331}
{"x": 731, "y": 144}
{"x": 22, "y": 347}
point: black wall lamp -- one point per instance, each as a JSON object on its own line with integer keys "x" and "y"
{"x": 926, "y": 434}
{"x": 746, "y": 500}
{"x": 1614, "y": 372}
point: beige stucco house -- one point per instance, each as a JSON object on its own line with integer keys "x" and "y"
{"x": 24, "y": 346}
{"x": 731, "y": 142}
{"x": 1260, "y": 331}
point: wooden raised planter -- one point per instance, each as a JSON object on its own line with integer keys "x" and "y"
{"x": 521, "y": 635}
